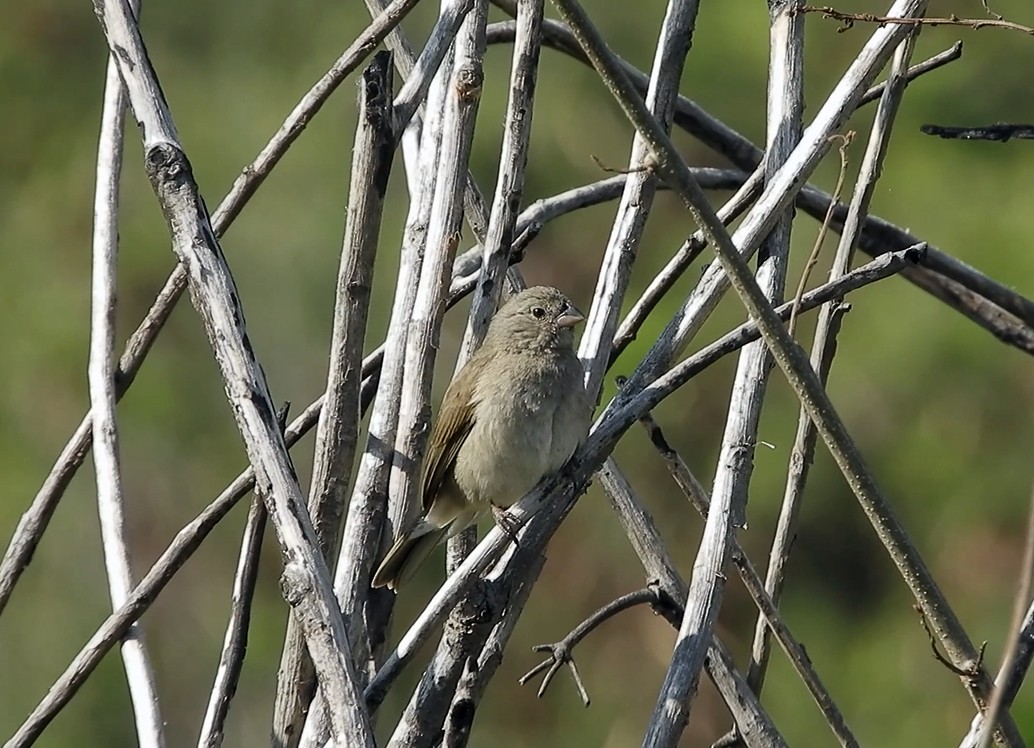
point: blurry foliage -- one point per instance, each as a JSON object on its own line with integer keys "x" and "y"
{"x": 940, "y": 408}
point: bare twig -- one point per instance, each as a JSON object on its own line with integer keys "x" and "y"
{"x": 515, "y": 590}
{"x": 752, "y": 722}
{"x": 560, "y": 494}
{"x": 680, "y": 261}
{"x": 338, "y": 430}
{"x": 823, "y": 347}
{"x": 194, "y": 533}
{"x": 110, "y": 499}
{"x": 306, "y": 580}
{"x": 472, "y": 621}
{"x": 513, "y": 160}
{"x": 168, "y": 564}
{"x": 426, "y": 711}
{"x": 954, "y": 52}
{"x": 849, "y": 19}
{"x": 34, "y": 521}
{"x": 235, "y": 641}
{"x": 561, "y": 652}
{"x": 1013, "y": 641}
{"x": 1009, "y": 679}
{"x": 727, "y": 509}
{"x": 820, "y": 237}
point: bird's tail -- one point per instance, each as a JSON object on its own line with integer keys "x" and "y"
{"x": 407, "y": 554}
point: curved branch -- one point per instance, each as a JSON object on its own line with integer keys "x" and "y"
{"x": 562, "y": 652}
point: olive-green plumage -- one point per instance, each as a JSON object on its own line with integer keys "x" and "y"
{"x": 513, "y": 415}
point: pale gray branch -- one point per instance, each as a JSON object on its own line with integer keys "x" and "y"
{"x": 727, "y": 508}
{"x": 306, "y": 578}
{"x": 637, "y": 198}
{"x": 988, "y": 303}
{"x": 101, "y": 370}
{"x": 338, "y": 429}
{"x": 697, "y": 496}
{"x": 792, "y": 360}
{"x": 561, "y": 493}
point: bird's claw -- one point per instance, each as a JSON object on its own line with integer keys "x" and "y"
{"x": 506, "y": 523}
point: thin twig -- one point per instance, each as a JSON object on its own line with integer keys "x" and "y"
{"x": 515, "y": 590}
{"x": 727, "y": 507}
{"x": 752, "y": 722}
{"x": 181, "y": 548}
{"x": 1009, "y": 679}
{"x": 194, "y": 533}
{"x": 820, "y": 237}
{"x": 849, "y": 19}
{"x": 679, "y": 263}
{"x": 235, "y": 641}
{"x": 35, "y": 519}
{"x": 110, "y": 499}
{"x": 338, "y": 429}
{"x": 954, "y": 52}
{"x": 1013, "y": 640}
{"x": 670, "y": 713}
{"x": 562, "y": 652}
{"x": 472, "y": 621}
{"x": 425, "y": 713}
{"x": 1000, "y": 132}
{"x": 637, "y": 198}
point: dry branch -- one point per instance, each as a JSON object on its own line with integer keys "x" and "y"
{"x": 560, "y": 493}
{"x": 101, "y": 371}
{"x": 306, "y": 580}
{"x": 338, "y": 430}
{"x": 727, "y": 508}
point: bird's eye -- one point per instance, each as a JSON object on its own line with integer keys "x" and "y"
{"x": 538, "y": 312}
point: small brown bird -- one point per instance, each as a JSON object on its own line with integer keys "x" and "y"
{"x": 513, "y": 415}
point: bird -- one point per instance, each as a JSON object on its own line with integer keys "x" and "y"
{"x": 513, "y": 415}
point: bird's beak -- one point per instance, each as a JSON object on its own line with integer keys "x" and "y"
{"x": 569, "y": 317}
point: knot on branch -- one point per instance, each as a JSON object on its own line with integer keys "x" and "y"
{"x": 167, "y": 167}
{"x": 294, "y": 583}
{"x": 469, "y": 79}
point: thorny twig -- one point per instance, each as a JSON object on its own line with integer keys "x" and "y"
{"x": 849, "y": 19}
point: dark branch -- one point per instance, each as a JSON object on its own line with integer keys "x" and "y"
{"x": 1000, "y": 132}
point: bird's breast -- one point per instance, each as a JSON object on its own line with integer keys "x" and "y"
{"x": 510, "y": 447}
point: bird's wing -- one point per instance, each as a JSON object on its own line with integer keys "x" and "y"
{"x": 450, "y": 430}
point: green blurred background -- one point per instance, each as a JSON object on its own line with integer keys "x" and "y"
{"x": 941, "y": 409}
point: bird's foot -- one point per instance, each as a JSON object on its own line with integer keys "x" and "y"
{"x": 506, "y": 523}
